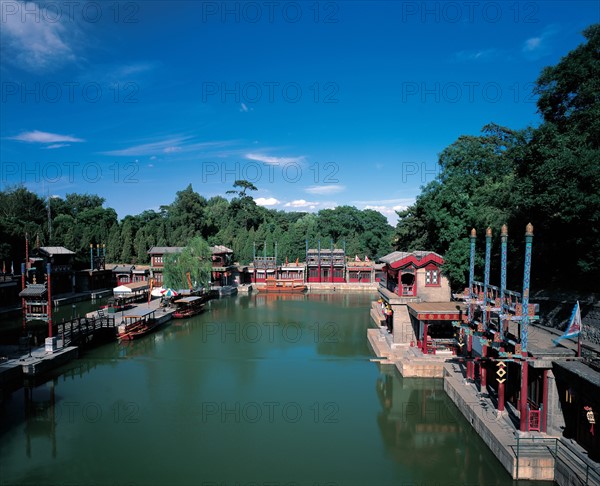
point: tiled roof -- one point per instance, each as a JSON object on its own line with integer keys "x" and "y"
{"x": 161, "y": 250}
{"x": 34, "y": 290}
{"x": 401, "y": 255}
{"x": 56, "y": 250}
{"x": 123, "y": 268}
{"x": 220, "y": 249}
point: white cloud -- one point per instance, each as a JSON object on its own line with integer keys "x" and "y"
{"x": 267, "y": 159}
{"x": 532, "y": 44}
{"x": 301, "y": 203}
{"x": 37, "y": 136}
{"x": 244, "y": 108}
{"x": 479, "y": 55}
{"x": 267, "y": 201}
{"x": 539, "y": 45}
{"x": 168, "y": 146}
{"x": 327, "y": 189}
{"x": 57, "y": 145}
{"x": 170, "y": 150}
{"x": 34, "y": 42}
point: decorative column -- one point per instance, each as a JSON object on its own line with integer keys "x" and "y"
{"x": 471, "y": 272}
{"x": 23, "y": 305}
{"x": 470, "y": 364}
{"x": 319, "y": 260}
{"x": 503, "y": 252}
{"x": 544, "y": 417}
{"x": 501, "y": 378}
{"x": 425, "y": 329}
{"x": 525, "y": 328}
{"x": 91, "y": 256}
{"x": 49, "y": 310}
{"x": 486, "y": 277}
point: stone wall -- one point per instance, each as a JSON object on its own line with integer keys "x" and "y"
{"x": 556, "y": 308}
{"x": 439, "y": 293}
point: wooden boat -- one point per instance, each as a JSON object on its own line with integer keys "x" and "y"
{"x": 136, "y": 327}
{"x": 117, "y": 304}
{"x": 188, "y": 307}
{"x": 225, "y": 290}
{"x": 284, "y": 286}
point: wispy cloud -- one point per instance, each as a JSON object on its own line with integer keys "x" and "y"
{"x": 267, "y": 159}
{"x": 327, "y": 189}
{"x": 301, "y": 204}
{"x": 539, "y": 46}
{"x": 244, "y": 108}
{"x": 57, "y": 146}
{"x": 37, "y": 136}
{"x": 31, "y": 44}
{"x": 267, "y": 201}
{"x": 481, "y": 55}
{"x": 167, "y": 146}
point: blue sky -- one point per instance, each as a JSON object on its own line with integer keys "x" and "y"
{"x": 317, "y": 103}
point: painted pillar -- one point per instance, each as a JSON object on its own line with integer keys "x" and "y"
{"x": 544, "y": 414}
{"x": 470, "y": 364}
{"x": 483, "y": 373}
{"x": 23, "y": 306}
{"x": 503, "y": 252}
{"x": 486, "y": 277}
{"x": 49, "y": 276}
{"x": 525, "y": 327}
{"x": 425, "y": 326}
{"x": 471, "y": 272}
{"x": 331, "y": 264}
{"x": 501, "y": 378}
{"x": 319, "y": 260}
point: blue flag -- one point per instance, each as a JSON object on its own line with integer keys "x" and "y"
{"x": 574, "y": 327}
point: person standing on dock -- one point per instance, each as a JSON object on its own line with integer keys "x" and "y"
{"x": 389, "y": 319}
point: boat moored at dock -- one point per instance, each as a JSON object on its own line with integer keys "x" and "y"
{"x": 188, "y": 307}
{"x": 284, "y": 286}
{"x": 138, "y": 325}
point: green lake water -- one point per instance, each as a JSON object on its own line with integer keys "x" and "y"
{"x": 257, "y": 390}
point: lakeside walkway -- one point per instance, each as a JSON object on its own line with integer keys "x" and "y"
{"x": 524, "y": 455}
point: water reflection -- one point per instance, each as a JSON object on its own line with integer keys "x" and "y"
{"x": 192, "y": 389}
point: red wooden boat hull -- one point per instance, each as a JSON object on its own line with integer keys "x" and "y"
{"x": 141, "y": 330}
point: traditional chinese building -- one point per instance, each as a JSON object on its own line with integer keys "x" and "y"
{"x": 264, "y": 267}
{"x": 61, "y": 261}
{"x": 157, "y": 255}
{"x": 124, "y": 274}
{"x": 223, "y": 266}
{"x": 418, "y": 294}
{"x": 325, "y": 265}
{"x": 358, "y": 271}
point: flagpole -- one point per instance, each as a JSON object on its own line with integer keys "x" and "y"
{"x": 580, "y": 332}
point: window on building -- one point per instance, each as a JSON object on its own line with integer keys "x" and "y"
{"x": 432, "y": 277}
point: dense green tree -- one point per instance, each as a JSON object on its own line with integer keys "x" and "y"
{"x": 195, "y": 259}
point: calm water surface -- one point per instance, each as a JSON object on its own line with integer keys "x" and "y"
{"x": 258, "y": 390}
